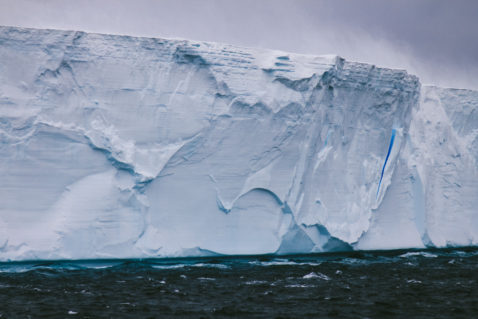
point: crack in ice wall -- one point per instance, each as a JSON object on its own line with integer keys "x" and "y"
{"x": 116, "y": 146}
{"x": 392, "y": 138}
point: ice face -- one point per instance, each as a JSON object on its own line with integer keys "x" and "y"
{"x": 115, "y": 146}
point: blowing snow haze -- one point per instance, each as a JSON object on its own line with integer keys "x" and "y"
{"x": 434, "y": 39}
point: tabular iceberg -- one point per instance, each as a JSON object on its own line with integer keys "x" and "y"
{"x": 116, "y": 146}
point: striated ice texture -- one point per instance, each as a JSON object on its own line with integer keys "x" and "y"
{"x": 115, "y": 146}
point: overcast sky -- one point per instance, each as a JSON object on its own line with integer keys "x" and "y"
{"x": 435, "y": 39}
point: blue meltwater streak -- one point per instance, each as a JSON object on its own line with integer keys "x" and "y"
{"x": 394, "y": 132}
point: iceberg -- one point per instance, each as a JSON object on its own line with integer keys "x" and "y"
{"x": 125, "y": 147}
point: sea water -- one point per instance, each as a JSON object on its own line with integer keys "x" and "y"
{"x": 372, "y": 284}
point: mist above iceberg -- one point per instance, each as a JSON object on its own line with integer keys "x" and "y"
{"x": 120, "y": 147}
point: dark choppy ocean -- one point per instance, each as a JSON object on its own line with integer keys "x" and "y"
{"x": 393, "y": 284}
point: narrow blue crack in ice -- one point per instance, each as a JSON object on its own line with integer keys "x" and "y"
{"x": 392, "y": 139}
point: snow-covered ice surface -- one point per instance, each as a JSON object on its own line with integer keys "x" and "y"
{"x": 123, "y": 147}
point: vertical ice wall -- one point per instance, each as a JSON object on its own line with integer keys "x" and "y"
{"x": 433, "y": 197}
{"x": 114, "y": 146}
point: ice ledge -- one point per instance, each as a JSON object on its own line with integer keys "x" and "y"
{"x": 117, "y": 147}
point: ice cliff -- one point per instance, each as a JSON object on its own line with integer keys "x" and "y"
{"x": 116, "y": 146}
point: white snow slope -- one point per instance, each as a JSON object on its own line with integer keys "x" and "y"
{"x": 122, "y": 147}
